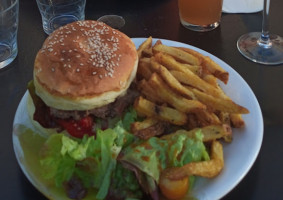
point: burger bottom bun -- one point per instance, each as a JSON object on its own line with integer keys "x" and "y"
{"x": 83, "y": 103}
{"x": 45, "y": 132}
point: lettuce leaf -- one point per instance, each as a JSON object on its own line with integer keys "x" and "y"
{"x": 124, "y": 184}
{"x": 154, "y": 154}
{"x": 93, "y": 160}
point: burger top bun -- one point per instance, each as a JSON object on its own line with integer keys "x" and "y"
{"x": 84, "y": 65}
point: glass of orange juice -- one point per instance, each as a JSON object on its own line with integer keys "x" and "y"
{"x": 200, "y": 15}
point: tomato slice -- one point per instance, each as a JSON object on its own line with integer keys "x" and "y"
{"x": 78, "y": 128}
{"x": 173, "y": 189}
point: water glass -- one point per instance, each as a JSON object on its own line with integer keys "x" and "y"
{"x": 56, "y": 13}
{"x": 9, "y": 12}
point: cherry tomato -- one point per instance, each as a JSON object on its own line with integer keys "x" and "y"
{"x": 77, "y": 128}
{"x": 173, "y": 189}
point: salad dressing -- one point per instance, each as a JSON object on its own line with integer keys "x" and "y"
{"x": 30, "y": 144}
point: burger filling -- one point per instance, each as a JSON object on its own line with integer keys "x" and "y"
{"x": 75, "y": 122}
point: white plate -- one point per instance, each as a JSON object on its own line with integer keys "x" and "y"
{"x": 239, "y": 155}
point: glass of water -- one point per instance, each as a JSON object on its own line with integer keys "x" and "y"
{"x": 9, "y": 11}
{"x": 57, "y": 13}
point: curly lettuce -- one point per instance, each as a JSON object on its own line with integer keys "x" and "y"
{"x": 155, "y": 154}
{"x": 92, "y": 160}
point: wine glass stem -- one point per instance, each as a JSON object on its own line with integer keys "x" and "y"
{"x": 264, "y": 39}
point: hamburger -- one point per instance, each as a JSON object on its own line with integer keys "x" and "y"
{"x": 83, "y": 72}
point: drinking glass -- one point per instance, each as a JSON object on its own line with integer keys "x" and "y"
{"x": 9, "y": 16}
{"x": 56, "y": 13}
{"x": 200, "y": 15}
{"x": 262, "y": 47}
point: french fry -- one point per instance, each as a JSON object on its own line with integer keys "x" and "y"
{"x": 212, "y": 80}
{"x": 147, "y": 53}
{"x": 145, "y": 45}
{"x": 210, "y": 65}
{"x": 196, "y": 69}
{"x": 148, "y": 128}
{"x": 145, "y": 59}
{"x": 155, "y": 129}
{"x": 171, "y": 97}
{"x": 171, "y": 80}
{"x": 208, "y": 169}
{"x": 228, "y": 138}
{"x": 177, "y": 53}
{"x": 206, "y": 118}
{"x": 237, "y": 120}
{"x": 144, "y": 71}
{"x": 150, "y": 109}
{"x": 158, "y": 42}
{"x": 137, "y": 126}
{"x": 224, "y": 117}
{"x": 148, "y": 91}
{"x": 188, "y": 81}
{"x": 186, "y": 76}
{"x": 225, "y": 105}
{"x": 210, "y": 133}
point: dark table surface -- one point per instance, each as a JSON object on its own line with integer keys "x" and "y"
{"x": 158, "y": 18}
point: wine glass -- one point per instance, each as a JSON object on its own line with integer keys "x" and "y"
{"x": 262, "y": 47}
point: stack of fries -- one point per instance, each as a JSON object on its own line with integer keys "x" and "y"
{"x": 180, "y": 86}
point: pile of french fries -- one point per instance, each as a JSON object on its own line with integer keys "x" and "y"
{"x": 180, "y": 86}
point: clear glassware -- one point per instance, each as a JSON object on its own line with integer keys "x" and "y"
{"x": 262, "y": 47}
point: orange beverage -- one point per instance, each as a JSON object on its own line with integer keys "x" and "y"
{"x": 200, "y": 15}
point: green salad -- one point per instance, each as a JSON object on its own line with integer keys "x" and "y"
{"x": 115, "y": 163}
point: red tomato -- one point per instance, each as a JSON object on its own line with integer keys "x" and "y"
{"x": 78, "y": 128}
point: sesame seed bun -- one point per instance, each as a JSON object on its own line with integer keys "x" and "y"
{"x": 84, "y": 65}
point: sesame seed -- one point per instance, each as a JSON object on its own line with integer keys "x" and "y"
{"x": 100, "y": 49}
